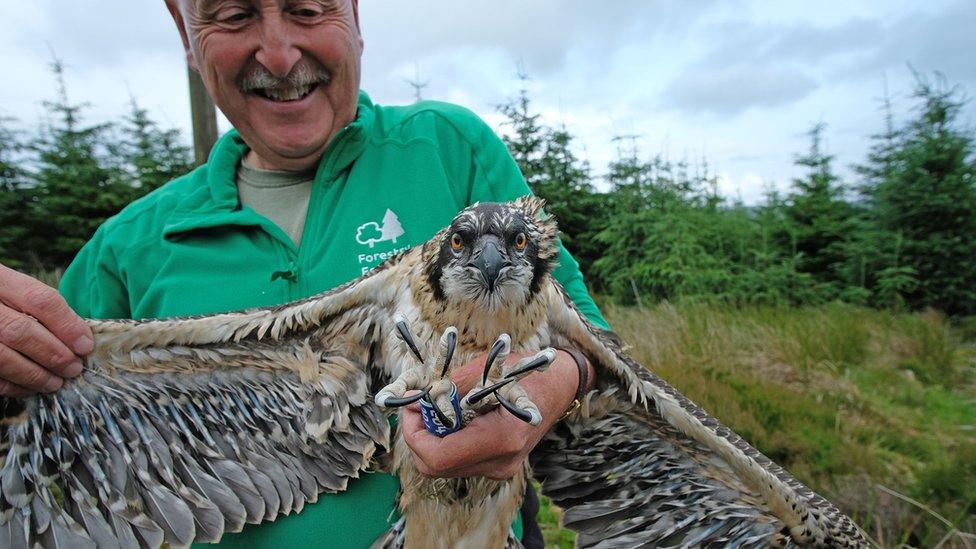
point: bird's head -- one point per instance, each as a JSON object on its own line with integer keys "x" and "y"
{"x": 493, "y": 254}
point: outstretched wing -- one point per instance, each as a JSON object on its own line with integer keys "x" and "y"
{"x": 642, "y": 466}
{"x": 182, "y": 429}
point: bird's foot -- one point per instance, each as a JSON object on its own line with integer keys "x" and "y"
{"x": 437, "y": 393}
{"x": 499, "y": 384}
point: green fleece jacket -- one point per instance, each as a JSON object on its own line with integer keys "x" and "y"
{"x": 388, "y": 181}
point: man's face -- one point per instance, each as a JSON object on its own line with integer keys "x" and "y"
{"x": 284, "y": 72}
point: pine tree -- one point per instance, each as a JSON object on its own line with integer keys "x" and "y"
{"x": 150, "y": 155}
{"x": 526, "y": 141}
{"x": 15, "y": 197}
{"x": 656, "y": 243}
{"x": 820, "y": 219}
{"x": 553, "y": 172}
{"x": 925, "y": 193}
{"x": 77, "y": 186}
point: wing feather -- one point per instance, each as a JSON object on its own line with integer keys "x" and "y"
{"x": 182, "y": 429}
{"x": 641, "y": 464}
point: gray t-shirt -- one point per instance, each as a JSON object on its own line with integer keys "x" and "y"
{"x": 282, "y": 197}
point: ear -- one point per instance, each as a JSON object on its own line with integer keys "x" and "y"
{"x": 359, "y": 29}
{"x": 174, "y": 10}
{"x": 530, "y": 205}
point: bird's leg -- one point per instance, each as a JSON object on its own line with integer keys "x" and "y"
{"x": 441, "y": 400}
{"x": 504, "y": 389}
{"x": 513, "y": 397}
{"x": 413, "y": 377}
{"x": 438, "y": 400}
{"x": 485, "y": 400}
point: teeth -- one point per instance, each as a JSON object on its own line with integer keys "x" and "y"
{"x": 287, "y": 94}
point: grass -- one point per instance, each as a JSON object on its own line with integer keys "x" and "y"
{"x": 873, "y": 409}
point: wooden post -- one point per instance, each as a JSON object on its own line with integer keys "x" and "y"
{"x": 204, "y": 118}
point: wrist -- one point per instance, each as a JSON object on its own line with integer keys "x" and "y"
{"x": 584, "y": 377}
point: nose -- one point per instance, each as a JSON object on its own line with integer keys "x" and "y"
{"x": 490, "y": 263}
{"x": 277, "y": 52}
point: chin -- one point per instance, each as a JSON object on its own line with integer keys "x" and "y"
{"x": 504, "y": 297}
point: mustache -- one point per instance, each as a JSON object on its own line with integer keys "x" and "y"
{"x": 304, "y": 73}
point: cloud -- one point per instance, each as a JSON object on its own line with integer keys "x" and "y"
{"x": 477, "y": 43}
{"x": 541, "y": 31}
{"x": 930, "y": 42}
{"x": 730, "y": 90}
{"x": 93, "y": 36}
{"x": 853, "y": 48}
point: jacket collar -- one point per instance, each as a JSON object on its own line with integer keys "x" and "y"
{"x": 215, "y": 201}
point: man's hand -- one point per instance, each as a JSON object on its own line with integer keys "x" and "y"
{"x": 41, "y": 338}
{"x": 496, "y": 444}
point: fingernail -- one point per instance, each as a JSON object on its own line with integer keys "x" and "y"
{"x": 83, "y": 345}
{"x": 73, "y": 369}
{"x": 53, "y": 384}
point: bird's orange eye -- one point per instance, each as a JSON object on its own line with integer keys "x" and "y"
{"x": 521, "y": 242}
{"x": 456, "y": 242}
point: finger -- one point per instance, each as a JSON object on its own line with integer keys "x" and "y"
{"x": 488, "y": 438}
{"x": 467, "y": 377}
{"x": 13, "y": 390}
{"x": 411, "y": 422}
{"x": 42, "y": 302}
{"x": 15, "y": 368}
{"x": 25, "y": 335}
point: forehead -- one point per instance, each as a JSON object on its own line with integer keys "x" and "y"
{"x": 489, "y": 218}
{"x": 203, "y": 6}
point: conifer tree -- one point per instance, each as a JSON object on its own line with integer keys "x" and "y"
{"x": 553, "y": 172}
{"x": 656, "y": 241}
{"x": 925, "y": 193}
{"x": 14, "y": 199}
{"x": 526, "y": 141}
{"x": 77, "y": 186}
{"x": 820, "y": 219}
{"x": 150, "y": 155}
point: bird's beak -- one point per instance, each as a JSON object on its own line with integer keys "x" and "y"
{"x": 490, "y": 262}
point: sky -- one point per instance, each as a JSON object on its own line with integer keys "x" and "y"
{"x": 736, "y": 83}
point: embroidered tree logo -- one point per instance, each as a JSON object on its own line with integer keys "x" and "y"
{"x": 371, "y": 232}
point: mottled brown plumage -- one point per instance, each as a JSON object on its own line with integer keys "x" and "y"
{"x": 182, "y": 429}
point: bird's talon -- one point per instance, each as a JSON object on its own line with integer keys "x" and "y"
{"x": 540, "y": 362}
{"x": 501, "y": 348}
{"x": 403, "y": 329}
{"x": 476, "y": 396}
{"x": 525, "y": 415}
{"x": 390, "y": 401}
{"x": 445, "y": 351}
{"x": 445, "y": 419}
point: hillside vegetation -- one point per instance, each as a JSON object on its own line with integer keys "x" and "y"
{"x": 858, "y": 404}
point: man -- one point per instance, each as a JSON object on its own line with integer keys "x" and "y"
{"x": 316, "y": 186}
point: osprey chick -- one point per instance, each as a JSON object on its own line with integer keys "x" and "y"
{"x": 181, "y": 429}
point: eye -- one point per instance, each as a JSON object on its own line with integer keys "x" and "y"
{"x": 232, "y": 16}
{"x": 521, "y": 242}
{"x": 456, "y": 242}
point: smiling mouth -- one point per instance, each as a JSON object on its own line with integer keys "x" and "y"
{"x": 286, "y": 95}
